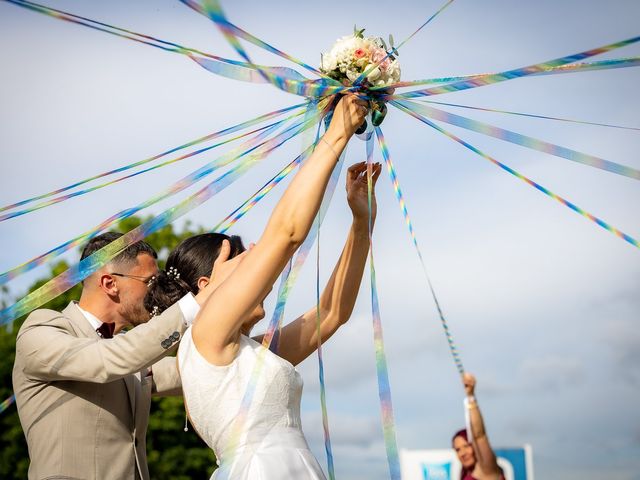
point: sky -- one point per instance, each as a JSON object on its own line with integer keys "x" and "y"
{"x": 543, "y": 304}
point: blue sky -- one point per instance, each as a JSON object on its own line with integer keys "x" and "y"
{"x": 543, "y": 304}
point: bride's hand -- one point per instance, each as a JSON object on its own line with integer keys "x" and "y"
{"x": 348, "y": 115}
{"x": 222, "y": 268}
{"x": 357, "y": 191}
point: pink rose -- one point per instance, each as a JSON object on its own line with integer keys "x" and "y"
{"x": 359, "y": 53}
{"x": 378, "y": 55}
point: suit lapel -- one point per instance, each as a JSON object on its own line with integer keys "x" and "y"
{"x": 80, "y": 322}
{"x": 129, "y": 381}
{"x": 83, "y": 326}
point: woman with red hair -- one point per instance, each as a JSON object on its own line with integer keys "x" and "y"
{"x": 478, "y": 460}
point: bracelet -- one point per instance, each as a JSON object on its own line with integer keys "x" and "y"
{"x": 329, "y": 145}
{"x": 470, "y": 402}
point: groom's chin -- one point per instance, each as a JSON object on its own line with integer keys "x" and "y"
{"x": 135, "y": 316}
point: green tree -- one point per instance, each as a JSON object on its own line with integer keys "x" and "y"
{"x": 172, "y": 453}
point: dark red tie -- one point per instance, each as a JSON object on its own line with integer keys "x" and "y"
{"x": 106, "y": 330}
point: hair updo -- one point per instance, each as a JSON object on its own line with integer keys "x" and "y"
{"x": 191, "y": 259}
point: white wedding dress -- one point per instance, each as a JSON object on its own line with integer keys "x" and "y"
{"x": 271, "y": 445}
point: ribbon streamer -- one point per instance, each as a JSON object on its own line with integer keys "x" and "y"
{"x": 212, "y": 10}
{"x": 403, "y": 207}
{"x": 284, "y": 78}
{"x": 231, "y": 219}
{"x": 55, "y": 200}
{"x": 128, "y": 34}
{"x": 87, "y": 266}
{"x": 289, "y": 82}
{"x": 530, "y": 115}
{"x": 293, "y": 83}
{"x": 521, "y": 140}
{"x": 570, "y": 68}
{"x": 211, "y": 136}
{"x": 395, "y": 49}
{"x": 182, "y": 184}
{"x": 515, "y": 73}
{"x": 323, "y": 389}
{"x": 537, "y": 186}
{"x": 382, "y": 371}
{"x": 7, "y": 403}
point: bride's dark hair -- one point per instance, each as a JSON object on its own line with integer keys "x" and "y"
{"x": 191, "y": 259}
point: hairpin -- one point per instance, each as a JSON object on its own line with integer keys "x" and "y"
{"x": 173, "y": 272}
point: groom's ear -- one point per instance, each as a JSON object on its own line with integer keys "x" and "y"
{"x": 108, "y": 284}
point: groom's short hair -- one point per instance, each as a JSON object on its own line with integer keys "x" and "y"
{"x": 128, "y": 256}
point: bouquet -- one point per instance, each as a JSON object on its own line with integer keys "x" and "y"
{"x": 356, "y": 55}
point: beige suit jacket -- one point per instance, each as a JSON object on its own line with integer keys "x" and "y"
{"x": 84, "y": 401}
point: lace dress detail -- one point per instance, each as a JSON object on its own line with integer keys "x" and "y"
{"x": 272, "y": 445}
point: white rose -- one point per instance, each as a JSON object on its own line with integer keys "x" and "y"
{"x": 374, "y": 74}
{"x": 352, "y": 75}
{"x": 394, "y": 71}
{"x": 328, "y": 62}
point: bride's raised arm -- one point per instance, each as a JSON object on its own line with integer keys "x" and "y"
{"x": 216, "y": 331}
{"x": 299, "y": 338}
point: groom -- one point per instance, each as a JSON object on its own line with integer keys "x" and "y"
{"x": 83, "y": 393}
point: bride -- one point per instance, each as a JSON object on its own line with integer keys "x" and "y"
{"x": 216, "y": 357}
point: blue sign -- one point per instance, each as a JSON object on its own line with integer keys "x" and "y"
{"x": 436, "y": 471}
{"x": 517, "y": 458}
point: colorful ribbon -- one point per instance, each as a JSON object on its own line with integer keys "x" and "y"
{"x": 393, "y": 50}
{"x": 231, "y": 219}
{"x": 522, "y": 140}
{"x": 284, "y": 78}
{"x": 570, "y": 68}
{"x": 546, "y": 191}
{"x": 292, "y": 82}
{"x": 55, "y": 200}
{"x": 7, "y": 403}
{"x": 323, "y": 389}
{"x": 87, "y": 266}
{"x": 382, "y": 371}
{"x": 405, "y": 213}
{"x": 530, "y": 115}
{"x": 253, "y": 200}
{"x": 127, "y": 34}
{"x": 211, "y": 136}
{"x": 287, "y": 82}
{"x": 515, "y": 73}
{"x": 212, "y": 10}
{"x": 182, "y": 184}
